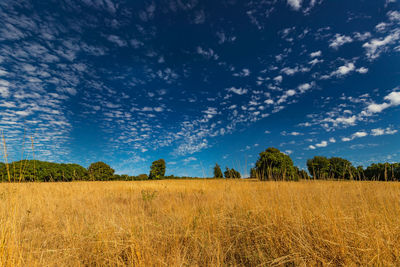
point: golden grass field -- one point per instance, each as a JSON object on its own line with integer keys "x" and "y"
{"x": 200, "y": 223}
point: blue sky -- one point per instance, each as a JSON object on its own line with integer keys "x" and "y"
{"x": 198, "y": 82}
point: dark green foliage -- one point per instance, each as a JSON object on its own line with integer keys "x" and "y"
{"x": 383, "y": 172}
{"x": 318, "y": 167}
{"x": 341, "y": 169}
{"x": 301, "y": 174}
{"x": 99, "y": 171}
{"x": 232, "y": 173}
{"x": 360, "y": 173}
{"x": 125, "y": 177}
{"x": 35, "y": 170}
{"x": 217, "y": 171}
{"x": 253, "y": 173}
{"x": 275, "y": 165}
{"x": 142, "y": 177}
{"x": 271, "y": 162}
{"x": 157, "y": 170}
{"x": 333, "y": 168}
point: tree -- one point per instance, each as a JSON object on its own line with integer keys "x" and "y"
{"x": 232, "y": 173}
{"x": 341, "y": 169}
{"x": 100, "y": 171}
{"x": 35, "y": 170}
{"x": 383, "y": 172}
{"x": 275, "y": 165}
{"x": 217, "y": 171}
{"x": 319, "y": 167}
{"x": 360, "y": 173}
{"x": 253, "y": 173}
{"x": 301, "y": 174}
{"x": 142, "y": 177}
{"x": 157, "y": 170}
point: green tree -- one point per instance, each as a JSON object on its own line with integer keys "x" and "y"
{"x": 35, "y": 170}
{"x": 340, "y": 168}
{"x": 360, "y": 173}
{"x": 301, "y": 174}
{"x": 383, "y": 172}
{"x": 217, "y": 171}
{"x": 142, "y": 177}
{"x": 232, "y": 173}
{"x": 253, "y": 173}
{"x": 100, "y": 171}
{"x": 157, "y": 170}
{"x": 319, "y": 167}
{"x": 275, "y": 165}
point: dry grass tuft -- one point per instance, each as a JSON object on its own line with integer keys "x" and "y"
{"x": 196, "y": 222}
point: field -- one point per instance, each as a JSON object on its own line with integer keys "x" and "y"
{"x": 200, "y": 223}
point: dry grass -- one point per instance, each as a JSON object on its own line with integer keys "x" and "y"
{"x": 198, "y": 222}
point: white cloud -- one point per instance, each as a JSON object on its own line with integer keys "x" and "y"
{"x": 284, "y": 133}
{"x": 4, "y": 88}
{"x": 362, "y": 70}
{"x": 340, "y": 40}
{"x": 376, "y": 46}
{"x": 359, "y": 134}
{"x": 380, "y": 131}
{"x": 345, "y": 69}
{"x": 322, "y": 144}
{"x": 315, "y": 61}
{"x": 377, "y": 108}
{"x": 394, "y": 98}
{"x": 23, "y": 113}
{"x": 71, "y": 91}
{"x": 189, "y": 159}
{"x": 290, "y": 92}
{"x": 211, "y": 112}
{"x": 381, "y": 27}
{"x": 116, "y": 40}
{"x": 243, "y": 73}
{"x": 316, "y": 54}
{"x": 306, "y": 86}
{"x": 290, "y": 71}
{"x": 278, "y": 79}
{"x": 238, "y": 91}
{"x": 209, "y": 54}
{"x": 394, "y": 15}
{"x": 345, "y": 120}
{"x": 332, "y": 140}
{"x": 355, "y": 135}
{"x": 362, "y": 36}
{"x": 295, "y": 4}
{"x": 199, "y": 17}
{"x": 311, "y": 147}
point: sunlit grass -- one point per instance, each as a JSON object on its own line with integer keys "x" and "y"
{"x": 199, "y": 222}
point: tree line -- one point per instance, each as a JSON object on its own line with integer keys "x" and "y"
{"x": 36, "y": 170}
{"x": 271, "y": 165}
